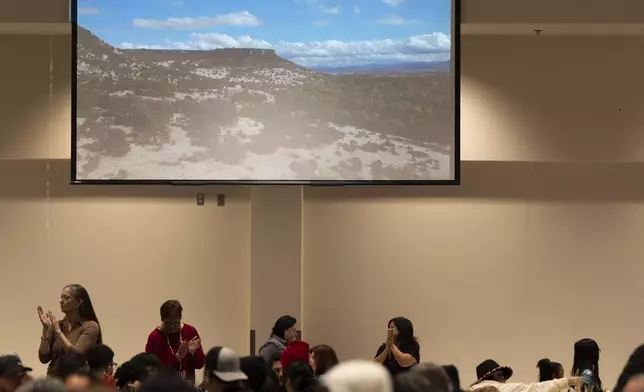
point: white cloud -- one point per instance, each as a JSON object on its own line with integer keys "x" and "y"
{"x": 243, "y": 18}
{"x": 209, "y": 41}
{"x": 426, "y": 47}
{"x": 177, "y": 3}
{"x": 88, "y": 11}
{"x": 393, "y": 3}
{"x": 396, "y": 20}
{"x": 356, "y": 10}
{"x": 333, "y": 10}
{"x": 320, "y": 23}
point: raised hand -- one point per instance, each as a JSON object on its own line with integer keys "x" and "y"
{"x": 44, "y": 320}
{"x": 183, "y": 350}
{"x": 194, "y": 344}
{"x": 390, "y": 338}
{"x": 53, "y": 321}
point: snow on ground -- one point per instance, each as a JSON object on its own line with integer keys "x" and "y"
{"x": 170, "y": 161}
{"x": 212, "y": 73}
{"x": 200, "y": 95}
{"x": 122, "y": 93}
{"x": 165, "y": 64}
{"x": 245, "y": 79}
{"x": 281, "y": 76}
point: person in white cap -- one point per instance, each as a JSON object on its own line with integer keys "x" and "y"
{"x": 358, "y": 376}
{"x": 222, "y": 372}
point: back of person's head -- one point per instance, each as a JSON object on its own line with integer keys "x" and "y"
{"x": 634, "y": 367}
{"x": 412, "y": 382}
{"x": 69, "y": 364}
{"x": 296, "y": 351}
{"x": 435, "y": 374}
{"x": 586, "y": 358}
{"x": 222, "y": 370}
{"x": 257, "y": 371}
{"x": 452, "y": 373}
{"x": 299, "y": 377}
{"x": 548, "y": 370}
{"x": 324, "y": 358}
{"x": 358, "y": 376}
{"x": 166, "y": 381}
{"x": 131, "y": 372}
{"x": 100, "y": 357}
{"x": 282, "y": 324}
{"x": 78, "y": 382}
{"x": 43, "y": 385}
{"x": 150, "y": 361}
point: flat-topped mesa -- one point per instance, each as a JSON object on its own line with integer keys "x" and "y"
{"x": 249, "y": 51}
{"x": 227, "y": 57}
{"x": 92, "y": 46}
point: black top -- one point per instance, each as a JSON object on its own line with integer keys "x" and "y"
{"x": 392, "y": 365}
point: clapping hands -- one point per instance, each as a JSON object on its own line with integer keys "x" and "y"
{"x": 54, "y": 322}
{"x": 391, "y": 340}
{"x": 44, "y": 318}
{"x": 194, "y": 344}
{"x": 48, "y": 320}
{"x": 183, "y": 350}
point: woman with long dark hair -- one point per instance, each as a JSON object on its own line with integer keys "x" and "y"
{"x": 585, "y": 364}
{"x": 77, "y": 332}
{"x": 549, "y": 370}
{"x": 283, "y": 332}
{"x": 401, "y": 351}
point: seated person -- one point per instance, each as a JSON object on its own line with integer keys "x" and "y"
{"x": 100, "y": 359}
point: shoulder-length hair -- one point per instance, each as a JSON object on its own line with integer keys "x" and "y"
{"x": 324, "y": 357}
{"x": 86, "y": 310}
{"x": 405, "y": 329}
{"x": 281, "y": 325}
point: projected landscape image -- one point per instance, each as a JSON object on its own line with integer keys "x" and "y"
{"x": 264, "y": 90}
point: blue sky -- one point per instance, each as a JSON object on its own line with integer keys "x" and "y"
{"x": 310, "y": 32}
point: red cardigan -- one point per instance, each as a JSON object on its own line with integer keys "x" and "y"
{"x": 159, "y": 344}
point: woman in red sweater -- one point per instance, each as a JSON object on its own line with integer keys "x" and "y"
{"x": 176, "y": 344}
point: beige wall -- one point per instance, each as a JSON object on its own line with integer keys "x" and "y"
{"x": 276, "y": 262}
{"x": 132, "y": 247}
{"x": 34, "y": 11}
{"x": 545, "y": 230}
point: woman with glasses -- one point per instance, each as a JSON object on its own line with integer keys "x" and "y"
{"x": 76, "y": 333}
{"x": 175, "y": 343}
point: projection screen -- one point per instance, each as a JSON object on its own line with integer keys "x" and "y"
{"x": 270, "y": 91}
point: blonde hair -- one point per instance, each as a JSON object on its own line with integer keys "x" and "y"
{"x": 358, "y": 376}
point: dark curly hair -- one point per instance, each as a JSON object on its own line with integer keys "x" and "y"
{"x": 548, "y": 369}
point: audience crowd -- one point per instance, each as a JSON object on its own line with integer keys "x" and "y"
{"x": 78, "y": 360}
